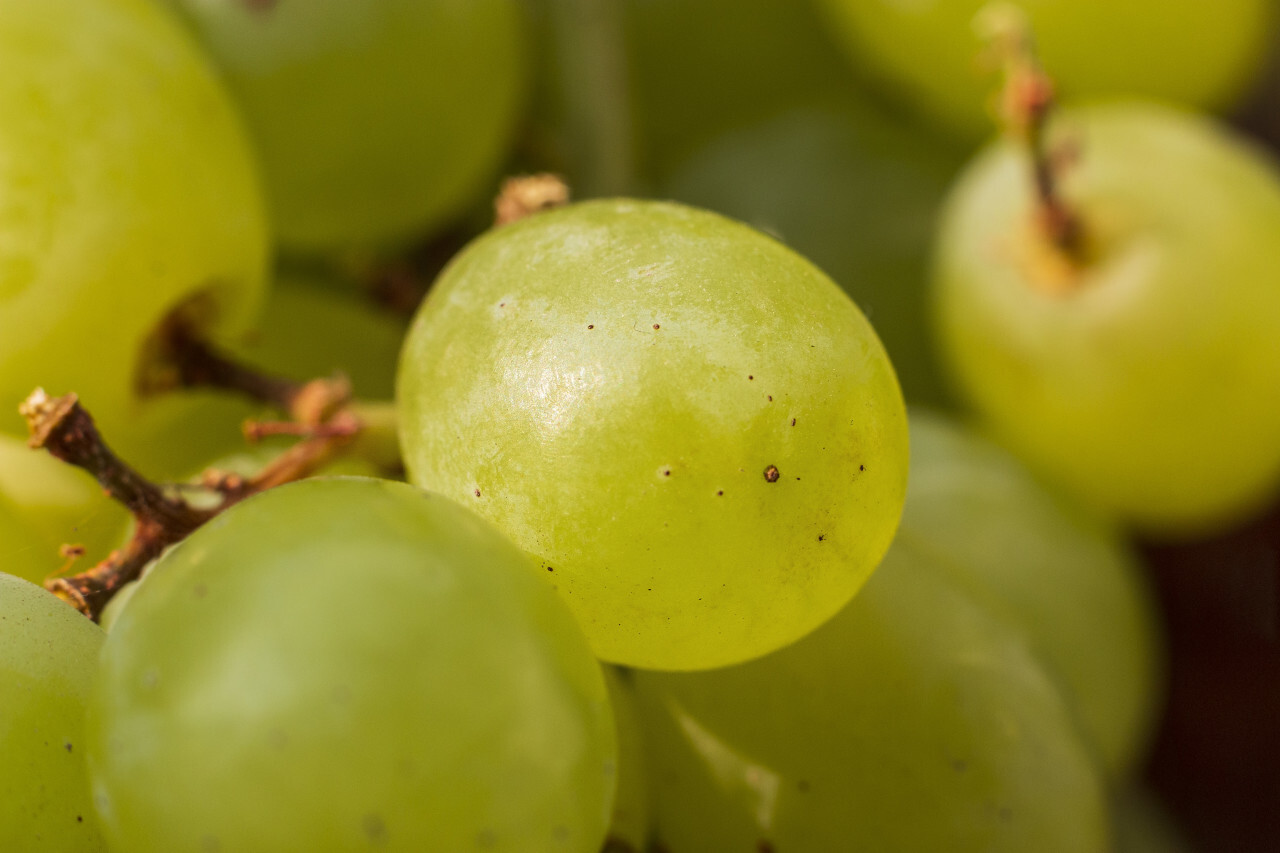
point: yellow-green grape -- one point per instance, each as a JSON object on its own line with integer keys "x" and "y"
{"x": 1066, "y": 581}
{"x": 349, "y": 664}
{"x": 913, "y": 721}
{"x": 48, "y": 657}
{"x": 696, "y": 433}
{"x": 1138, "y": 371}
{"x": 631, "y": 822}
{"x": 375, "y": 120}
{"x": 126, "y": 190}
{"x": 857, "y": 193}
{"x": 1188, "y": 51}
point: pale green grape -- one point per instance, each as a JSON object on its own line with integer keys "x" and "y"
{"x": 631, "y": 819}
{"x": 375, "y": 121}
{"x": 854, "y": 191}
{"x": 344, "y": 664}
{"x": 1189, "y": 51}
{"x": 48, "y": 656}
{"x": 1141, "y": 377}
{"x": 126, "y": 189}
{"x": 692, "y": 428}
{"x": 1065, "y": 580}
{"x": 913, "y": 721}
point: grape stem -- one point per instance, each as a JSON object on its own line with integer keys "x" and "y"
{"x": 65, "y": 429}
{"x": 1026, "y": 102}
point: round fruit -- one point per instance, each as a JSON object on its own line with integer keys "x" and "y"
{"x": 1139, "y": 370}
{"x": 691, "y": 427}
{"x": 349, "y": 664}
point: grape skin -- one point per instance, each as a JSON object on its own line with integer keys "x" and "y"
{"x": 375, "y": 121}
{"x": 1144, "y": 382}
{"x": 911, "y": 721}
{"x": 126, "y": 188}
{"x": 48, "y": 657}
{"x": 344, "y": 663}
{"x": 693, "y": 429}
{"x": 1185, "y": 51}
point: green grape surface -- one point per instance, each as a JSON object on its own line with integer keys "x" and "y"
{"x": 853, "y": 190}
{"x": 348, "y": 664}
{"x": 1069, "y": 583}
{"x": 693, "y": 429}
{"x": 631, "y": 819}
{"x": 23, "y": 553}
{"x": 1187, "y": 51}
{"x": 1141, "y": 378}
{"x": 374, "y": 121}
{"x": 911, "y": 721}
{"x": 126, "y": 190}
{"x": 48, "y": 657}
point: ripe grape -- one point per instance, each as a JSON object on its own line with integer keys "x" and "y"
{"x": 697, "y": 434}
{"x": 1188, "y": 51}
{"x": 913, "y": 720}
{"x": 1063, "y": 579}
{"x": 374, "y": 121}
{"x": 48, "y": 656}
{"x": 1139, "y": 373}
{"x": 126, "y": 190}
{"x": 345, "y": 664}
{"x": 853, "y": 190}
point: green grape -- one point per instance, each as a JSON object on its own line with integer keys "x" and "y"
{"x": 127, "y": 190}
{"x": 1140, "y": 373}
{"x": 629, "y": 827}
{"x": 23, "y": 553}
{"x": 308, "y": 331}
{"x": 1063, "y": 579}
{"x": 911, "y": 721}
{"x": 48, "y": 657}
{"x": 375, "y": 121}
{"x": 1188, "y": 51}
{"x": 693, "y": 429}
{"x": 854, "y": 191}
{"x": 344, "y": 664}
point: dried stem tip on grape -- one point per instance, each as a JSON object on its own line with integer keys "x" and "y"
{"x": 526, "y": 195}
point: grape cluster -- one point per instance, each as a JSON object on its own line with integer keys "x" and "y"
{"x": 799, "y": 489}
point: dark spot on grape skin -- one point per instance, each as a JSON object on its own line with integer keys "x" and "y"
{"x": 750, "y": 377}
{"x": 477, "y": 493}
{"x": 374, "y": 829}
{"x": 666, "y": 473}
{"x": 590, "y": 325}
{"x": 793, "y": 421}
{"x": 656, "y": 327}
{"x": 720, "y": 493}
{"x": 551, "y": 568}
{"x": 862, "y": 467}
{"x": 765, "y": 847}
{"x": 68, "y": 746}
{"x": 79, "y": 818}
{"x": 770, "y": 398}
{"x": 822, "y": 537}
{"x": 771, "y": 474}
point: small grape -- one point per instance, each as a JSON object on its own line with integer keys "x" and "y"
{"x": 696, "y": 433}
{"x": 344, "y": 664}
{"x": 1140, "y": 371}
{"x": 48, "y": 657}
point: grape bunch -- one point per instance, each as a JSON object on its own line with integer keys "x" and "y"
{"x": 638, "y": 426}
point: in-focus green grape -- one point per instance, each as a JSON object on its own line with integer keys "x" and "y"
{"x": 912, "y": 721}
{"x": 1141, "y": 373}
{"x": 349, "y": 664}
{"x": 692, "y": 428}
{"x": 48, "y": 657}
{"x": 631, "y": 821}
{"x": 1188, "y": 51}
{"x": 853, "y": 190}
{"x": 1064, "y": 580}
{"x": 374, "y": 121}
{"x": 126, "y": 189}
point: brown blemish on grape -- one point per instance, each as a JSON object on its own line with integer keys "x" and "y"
{"x": 591, "y": 325}
{"x": 68, "y": 746}
{"x": 862, "y": 467}
{"x": 375, "y": 829}
{"x": 793, "y": 421}
{"x": 770, "y": 398}
{"x": 477, "y": 493}
{"x": 765, "y": 847}
{"x": 667, "y": 472}
{"x": 749, "y": 377}
{"x": 720, "y": 493}
{"x": 656, "y": 327}
{"x": 822, "y": 537}
{"x": 771, "y": 474}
